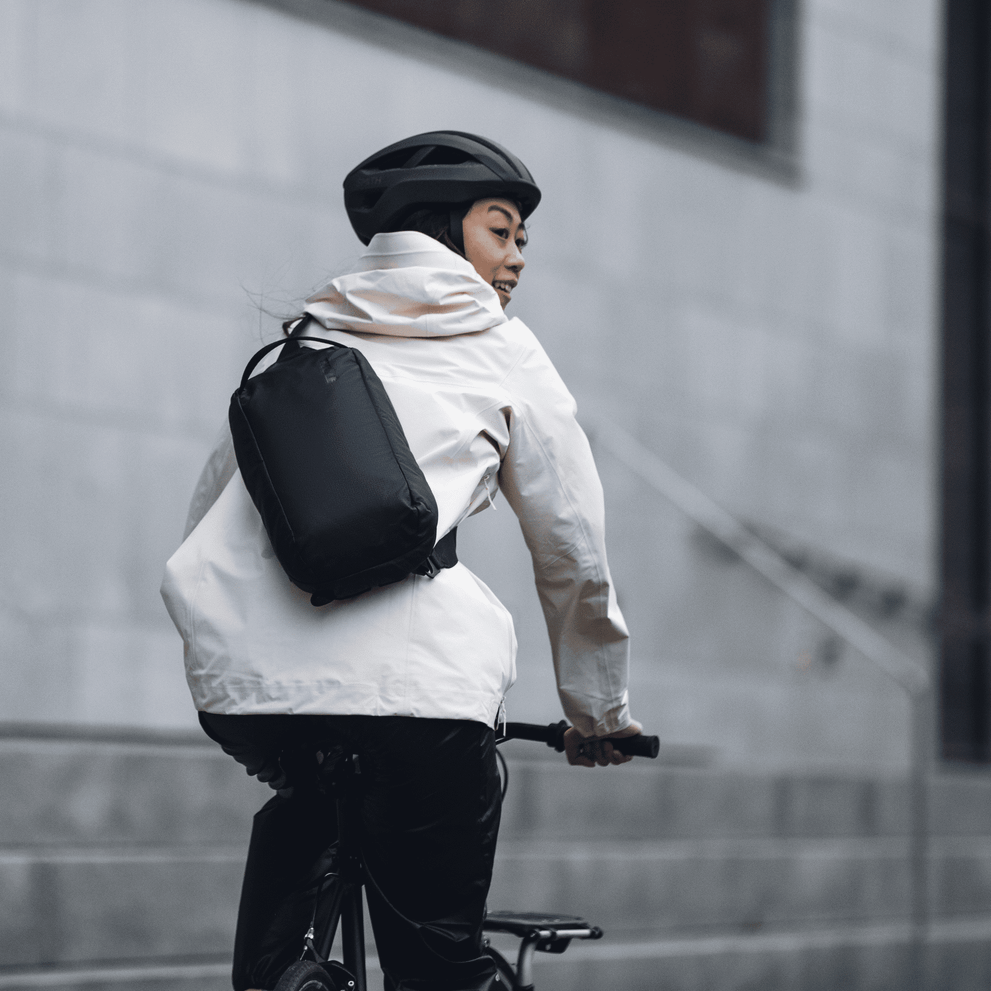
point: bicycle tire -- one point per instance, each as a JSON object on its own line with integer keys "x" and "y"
{"x": 306, "y": 975}
{"x": 505, "y": 975}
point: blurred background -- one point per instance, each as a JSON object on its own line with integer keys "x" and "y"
{"x": 761, "y": 263}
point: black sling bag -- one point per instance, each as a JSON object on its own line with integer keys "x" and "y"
{"x": 325, "y": 460}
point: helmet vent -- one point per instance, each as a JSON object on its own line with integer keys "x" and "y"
{"x": 440, "y": 155}
{"x": 366, "y": 199}
{"x": 394, "y": 160}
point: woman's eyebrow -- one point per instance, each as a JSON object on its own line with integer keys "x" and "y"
{"x": 502, "y": 210}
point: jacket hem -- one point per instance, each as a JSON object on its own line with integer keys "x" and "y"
{"x": 337, "y": 700}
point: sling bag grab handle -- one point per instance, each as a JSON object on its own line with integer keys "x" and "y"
{"x": 253, "y": 364}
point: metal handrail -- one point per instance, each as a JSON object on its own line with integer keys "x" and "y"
{"x": 763, "y": 558}
{"x": 903, "y": 670}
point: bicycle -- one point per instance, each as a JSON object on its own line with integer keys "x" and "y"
{"x": 339, "y": 900}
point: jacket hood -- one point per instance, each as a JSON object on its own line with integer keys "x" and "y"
{"x": 406, "y": 284}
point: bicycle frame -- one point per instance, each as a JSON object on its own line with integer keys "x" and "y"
{"x": 339, "y": 897}
{"x": 339, "y": 901}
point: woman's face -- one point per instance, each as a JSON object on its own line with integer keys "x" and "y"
{"x": 494, "y": 237}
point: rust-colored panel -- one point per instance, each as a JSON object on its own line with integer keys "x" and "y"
{"x": 705, "y": 60}
{"x": 731, "y": 66}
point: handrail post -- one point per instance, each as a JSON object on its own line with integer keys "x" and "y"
{"x": 919, "y": 853}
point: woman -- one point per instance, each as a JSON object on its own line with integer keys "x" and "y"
{"x": 412, "y": 676}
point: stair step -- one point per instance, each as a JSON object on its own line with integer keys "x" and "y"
{"x": 878, "y": 957}
{"x": 149, "y": 977}
{"x": 670, "y": 886}
{"x": 549, "y": 799}
{"x": 83, "y": 791}
{"x": 77, "y": 905}
{"x": 84, "y": 903}
{"x": 189, "y": 791}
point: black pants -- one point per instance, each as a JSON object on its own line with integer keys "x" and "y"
{"x": 429, "y": 802}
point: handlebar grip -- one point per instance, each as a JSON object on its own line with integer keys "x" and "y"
{"x": 553, "y": 736}
{"x": 637, "y": 746}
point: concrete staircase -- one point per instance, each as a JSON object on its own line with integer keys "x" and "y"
{"x": 121, "y": 856}
{"x": 120, "y": 860}
{"x": 708, "y": 880}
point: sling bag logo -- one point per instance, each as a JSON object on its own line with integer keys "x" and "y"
{"x": 325, "y": 460}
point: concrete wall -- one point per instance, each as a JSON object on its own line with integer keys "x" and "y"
{"x": 764, "y": 323}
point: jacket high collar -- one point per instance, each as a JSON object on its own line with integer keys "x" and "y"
{"x": 406, "y": 284}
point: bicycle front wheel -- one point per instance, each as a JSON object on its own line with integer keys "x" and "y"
{"x": 305, "y": 975}
{"x": 505, "y": 975}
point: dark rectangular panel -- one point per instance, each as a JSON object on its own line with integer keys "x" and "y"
{"x": 705, "y": 60}
{"x": 965, "y": 676}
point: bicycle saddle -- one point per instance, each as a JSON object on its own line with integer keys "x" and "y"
{"x": 524, "y": 923}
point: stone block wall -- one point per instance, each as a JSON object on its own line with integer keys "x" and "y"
{"x": 762, "y": 322}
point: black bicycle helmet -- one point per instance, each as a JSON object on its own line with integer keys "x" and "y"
{"x": 440, "y": 168}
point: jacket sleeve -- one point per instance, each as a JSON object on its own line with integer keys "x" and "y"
{"x": 217, "y": 472}
{"x": 549, "y": 478}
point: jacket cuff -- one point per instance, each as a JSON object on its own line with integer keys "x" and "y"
{"x": 597, "y": 717}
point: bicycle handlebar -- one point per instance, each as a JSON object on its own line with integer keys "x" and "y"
{"x": 553, "y": 736}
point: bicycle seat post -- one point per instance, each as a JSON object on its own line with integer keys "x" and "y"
{"x": 524, "y": 961}
{"x": 353, "y": 915}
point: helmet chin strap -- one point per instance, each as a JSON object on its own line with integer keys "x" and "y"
{"x": 457, "y": 226}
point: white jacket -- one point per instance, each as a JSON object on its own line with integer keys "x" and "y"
{"x": 483, "y": 409}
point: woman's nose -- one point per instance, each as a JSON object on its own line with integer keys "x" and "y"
{"x": 515, "y": 263}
